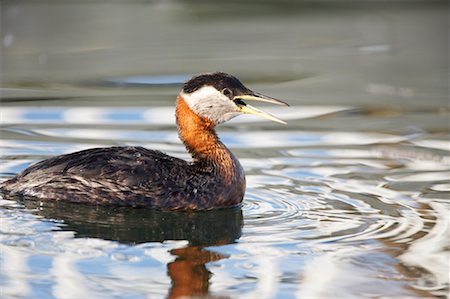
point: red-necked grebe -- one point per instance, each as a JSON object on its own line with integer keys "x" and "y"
{"x": 136, "y": 176}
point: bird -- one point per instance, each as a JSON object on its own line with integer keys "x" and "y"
{"x": 139, "y": 177}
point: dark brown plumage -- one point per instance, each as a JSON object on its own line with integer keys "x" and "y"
{"x": 135, "y": 176}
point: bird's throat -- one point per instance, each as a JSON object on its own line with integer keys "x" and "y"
{"x": 197, "y": 132}
{"x": 200, "y": 138}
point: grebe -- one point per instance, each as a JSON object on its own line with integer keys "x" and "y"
{"x": 136, "y": 176}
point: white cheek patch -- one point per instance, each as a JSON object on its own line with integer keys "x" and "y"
{"x": 211, "y": 103}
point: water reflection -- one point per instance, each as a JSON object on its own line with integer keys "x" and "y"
{"x": 188, "y": 272}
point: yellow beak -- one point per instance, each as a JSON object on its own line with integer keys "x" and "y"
{"x": 248, "y": 109}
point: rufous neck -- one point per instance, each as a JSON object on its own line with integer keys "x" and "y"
{"x": 198, "y": 133}
{"x": 201, "y": 140}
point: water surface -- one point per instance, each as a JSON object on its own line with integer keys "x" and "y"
{"x": 349, "y": 200}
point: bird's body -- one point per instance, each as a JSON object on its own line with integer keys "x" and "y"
{"x": 135, "y": 176}
{"x": 132, "y": 176}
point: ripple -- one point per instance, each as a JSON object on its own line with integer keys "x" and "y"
{"x": 420, "y": 177}
{"x": 320, "y": 197}
{"x": 441, "y": 187}
{"x": 316, "y": 215}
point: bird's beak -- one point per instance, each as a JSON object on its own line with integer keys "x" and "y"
{"x": 248, "y": 109}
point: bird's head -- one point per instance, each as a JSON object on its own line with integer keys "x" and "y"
{"x": 220, "y": 97}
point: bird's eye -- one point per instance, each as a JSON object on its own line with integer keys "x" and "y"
{"x": 227, "y": 92}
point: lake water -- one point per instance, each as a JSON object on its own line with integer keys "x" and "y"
{"x": 349, "y": 200}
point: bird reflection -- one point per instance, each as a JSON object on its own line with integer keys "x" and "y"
{"x": 188, "y": 272}
{"x": 190, "y": 277}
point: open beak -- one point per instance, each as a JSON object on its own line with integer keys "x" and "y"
{"x": 248, "y": 109}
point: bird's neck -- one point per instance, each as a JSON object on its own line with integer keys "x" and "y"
{"x": 200, "y": 138}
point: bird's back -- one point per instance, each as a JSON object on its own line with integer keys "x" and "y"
{"x": 117, "y": 175}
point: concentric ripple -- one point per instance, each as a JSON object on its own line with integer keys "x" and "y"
{"x": 333, "y": 182}
{"x": 328, "y": 214}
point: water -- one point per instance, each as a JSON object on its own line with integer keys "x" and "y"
{"x": 349, "y": 200}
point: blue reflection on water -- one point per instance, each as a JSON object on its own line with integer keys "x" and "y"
{"x": 125, "y": 116}
{"x": 54, "y": 115}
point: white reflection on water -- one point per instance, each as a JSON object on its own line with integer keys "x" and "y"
{"x": 14, "y": 271}
{"x": 422, "y": 177}
{"x": 65, "y": 267}
{"x": 431, "y": 252}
